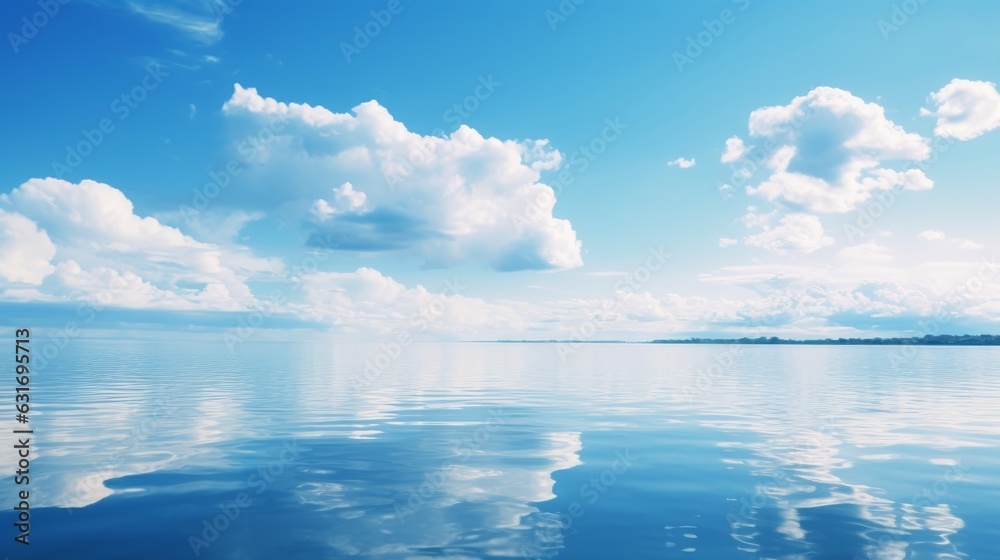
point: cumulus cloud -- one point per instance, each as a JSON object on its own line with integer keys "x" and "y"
{"x": 727, "y": 242}
{"x": 965, "y": 109}
{"x": 865, "y": 290}
{"x": 931, "y": 235}
{"x": 734, "y": 150}
{"x": 799, "y": 309}
{"x": 87, "y": 239}
{"x": 368, "y": 300}
{"x": 25, "y": 250}
{"x": 345, "y": 199}
{"x": 452, "y": 199}
{"x": 865, "y": 285}
{"x": 682, "y": 163}
{"x": 124, "y": 288}
{"x": 90, "y": 235}
{"x": 830, "y": 152}
{"x": 794, "y": 233}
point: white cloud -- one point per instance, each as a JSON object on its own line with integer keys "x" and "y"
{"x": 965, "y": 109}
{"x": 25, "y": 250}
{"x": 345, "y": 199}
{"x": 851, "y": 296}
{"x": 866, "y": 285}
{"x": 727, "y": 242}
{"x": 869, "y": 251}
{"x": 124, "y": 288}
{"x": 968, "y": 244}
{"x": 934, "y": 235}
{"x": 367, "y": 300}
{"x": 200, "y": 19}
{"x": 734, "y": 150}
{"x": 101, "y": 247}
{"x": 755, "y": 219}
{"x": 682, "y": 163}
{"x": 455, "y": 198}
{"x": 97, "y": 244}
{"x": 830, "y": 151}
{"x": 798, "y": 233}
{"x": 214, "y": 227}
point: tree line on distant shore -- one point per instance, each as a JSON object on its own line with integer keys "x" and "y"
{"x": 926, "y": 340}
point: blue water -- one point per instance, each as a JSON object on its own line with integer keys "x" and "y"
{"x": 470, "y": 450}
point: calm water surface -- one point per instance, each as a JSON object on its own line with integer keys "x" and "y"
{"x": 167, "y": 450}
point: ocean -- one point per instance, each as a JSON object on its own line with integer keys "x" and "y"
{"x": 316, "y": 450}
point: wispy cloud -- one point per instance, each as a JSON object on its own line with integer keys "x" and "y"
{"x": 198, "y": 19}
{"x": 935, "y": 235}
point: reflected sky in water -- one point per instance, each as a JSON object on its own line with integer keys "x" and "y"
{"x": 472, "y": 450}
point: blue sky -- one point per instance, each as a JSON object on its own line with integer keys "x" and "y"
{"x": 878, "y": 116}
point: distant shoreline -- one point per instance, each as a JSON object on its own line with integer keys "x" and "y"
{"x": 927, "y": 340}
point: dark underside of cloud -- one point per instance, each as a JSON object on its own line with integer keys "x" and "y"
{"x": 377, "y": 230}
{"x": 390, "y": 230}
